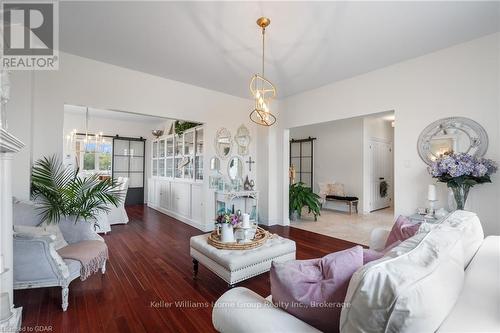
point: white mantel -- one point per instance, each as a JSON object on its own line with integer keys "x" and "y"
{"x": 9, "y": 145}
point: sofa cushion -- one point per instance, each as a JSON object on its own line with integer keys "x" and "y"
{"x": 314, "y": 290}
{"x": 470, "y": 227}
{"x": 411, "y": 289}
{"x": 25, "y": 213}
{"x": 402, "y": 229}
{"x": 477, "y": 307}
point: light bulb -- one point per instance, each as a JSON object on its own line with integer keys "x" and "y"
{"x": 257, "y": 95}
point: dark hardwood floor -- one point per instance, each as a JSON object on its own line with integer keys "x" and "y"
{"x": 149, "y": 270}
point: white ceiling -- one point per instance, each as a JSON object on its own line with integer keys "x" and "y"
{"x": 112, "y": 114}
{"x": 216, "y": 45}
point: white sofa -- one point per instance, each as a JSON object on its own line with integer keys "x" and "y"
{"x": 459, "y": 285}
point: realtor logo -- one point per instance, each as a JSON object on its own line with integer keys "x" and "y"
{"x": 30, "y": 35}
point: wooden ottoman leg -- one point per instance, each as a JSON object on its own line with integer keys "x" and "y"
{"x": 195, "y": 268}
{"x": 350, "y": 207}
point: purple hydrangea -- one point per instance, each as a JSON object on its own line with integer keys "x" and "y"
{"x": 457, "y": 165}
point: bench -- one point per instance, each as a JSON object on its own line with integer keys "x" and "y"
{"x": 352, "y": 202}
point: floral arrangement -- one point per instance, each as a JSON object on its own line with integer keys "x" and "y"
{"x": 227, "y": 217}
{"x": 461, "y": 172}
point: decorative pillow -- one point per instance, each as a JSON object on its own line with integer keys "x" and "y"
{"x": 402, "y": 229}
{"x": 53, "y": 228}
{"x": 324, "y": 189}
{"x": 314, "y": 290}
{"x": 336, "y": 189}
{"x": 411, "y": 289}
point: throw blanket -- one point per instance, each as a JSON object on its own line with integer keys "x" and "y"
{"x": 92, "y": 254}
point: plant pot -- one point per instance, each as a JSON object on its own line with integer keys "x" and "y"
{"x": 294, "y": 216}
{"x": 226, "y": 233}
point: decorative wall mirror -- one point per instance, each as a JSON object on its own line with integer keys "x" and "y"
{"x": 243, "y": 139}
{"x": 223, "y": 143}
{"x": 452, "y": 135}
{"x": 235, "y": 168}
{"x": 215, "y": 164}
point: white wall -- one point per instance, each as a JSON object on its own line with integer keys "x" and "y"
{"x": 338, "y": 154}
{"x": 463, "y": 80}
{"x": 38, "y": 100}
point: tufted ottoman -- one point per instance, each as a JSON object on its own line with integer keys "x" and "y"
{"x": 234, "y": 266}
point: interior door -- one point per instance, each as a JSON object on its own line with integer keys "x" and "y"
{"x": 380, "y": 174}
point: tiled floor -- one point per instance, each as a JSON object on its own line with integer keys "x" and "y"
{"x": 353, "y": 228}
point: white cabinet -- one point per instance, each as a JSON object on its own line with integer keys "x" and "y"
{"x": 165, "y": 195}
{"x": 197, "y": 202}
{"x": 179, "y": 199}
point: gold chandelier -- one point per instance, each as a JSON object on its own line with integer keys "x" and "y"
{"x": 263, "y": 91}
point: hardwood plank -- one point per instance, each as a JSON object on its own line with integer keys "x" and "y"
{"x": 149, "y": 270}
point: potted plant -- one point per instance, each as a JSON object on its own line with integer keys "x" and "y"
{"x": 302, "y": 196}
{"x": 226, "y": 220}
{"x": 61, "y": 193}
{"x": 462, "y": 171}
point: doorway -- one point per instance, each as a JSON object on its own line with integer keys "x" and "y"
{"x": 380, "y": 170}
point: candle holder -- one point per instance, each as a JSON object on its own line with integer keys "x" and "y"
{"x": 431, "y": 210}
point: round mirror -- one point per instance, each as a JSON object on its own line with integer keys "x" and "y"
{"x": 223, "y": 142}
{"x": 242, "y": 139}
{"x": 235, "y": 168}
{"x": 215, "y": 164}
{"x": 452, "y": 135}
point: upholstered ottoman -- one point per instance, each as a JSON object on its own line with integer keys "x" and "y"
{"x": 234, "y": 266}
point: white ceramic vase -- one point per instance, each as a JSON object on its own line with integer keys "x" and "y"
{"x": 226, "y": 233}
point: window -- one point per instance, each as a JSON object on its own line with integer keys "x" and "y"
{"x": 94, "y": 157}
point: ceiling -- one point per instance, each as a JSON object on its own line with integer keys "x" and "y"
{"x": 112, "y": 114}
{"x": 217, "y": 45}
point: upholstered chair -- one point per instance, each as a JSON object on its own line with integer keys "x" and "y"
{"x": 118, "y": 215}
{"x": 36, "y": 261}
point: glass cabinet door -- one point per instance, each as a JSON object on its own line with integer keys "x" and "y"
{"x": 178, "y": 145}
{"x": 189, "y": 143}
{"x": 155, "y": 149}
{"x": 169, "y": 167}
{"x": 161, "y": 148}
{"x": 198, "y": 164}
{"x": 170, "y": 146}
{"x": 177, "y": 171}
{"x": 199, "y": 141}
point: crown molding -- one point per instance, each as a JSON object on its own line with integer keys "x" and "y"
{"x": 9, "y": 143}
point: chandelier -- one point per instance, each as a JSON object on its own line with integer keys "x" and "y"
{"x": 263, "y": 91}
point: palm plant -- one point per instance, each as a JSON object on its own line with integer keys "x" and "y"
{"x": 302, "y": 196}
{"x": 61, "y": 193}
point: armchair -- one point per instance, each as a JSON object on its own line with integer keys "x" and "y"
{"x": 118, "y": 215}
{"x": 36, "y": 261}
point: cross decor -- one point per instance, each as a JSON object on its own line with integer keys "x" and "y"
{"x": 250, "y": 162}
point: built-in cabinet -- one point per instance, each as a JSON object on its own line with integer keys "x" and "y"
{"x": 175, "y": 187}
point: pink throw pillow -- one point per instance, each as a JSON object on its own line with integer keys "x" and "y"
{"x": 314, "y": 290}
{"x": 402, "y": 229}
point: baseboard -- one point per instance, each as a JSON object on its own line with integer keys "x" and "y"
{"x": 184, "y": 219}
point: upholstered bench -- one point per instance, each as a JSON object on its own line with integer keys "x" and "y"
{"x": 350, "y": 201}
{"x": 234, "y": 266}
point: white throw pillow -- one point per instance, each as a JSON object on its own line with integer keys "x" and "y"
{"x": 411, "y": 289}
{"x": 52, "y": 231}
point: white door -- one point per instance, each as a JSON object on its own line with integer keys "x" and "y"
{"x": 380, "y": 174}
{"x": 196, "y": 203}
{"x": 164, "y": 195}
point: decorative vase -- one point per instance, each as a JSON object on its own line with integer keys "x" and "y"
{"x": 294, "y": 216}
{"x": 226, "y": 234}
{"x": 460, "y": 193}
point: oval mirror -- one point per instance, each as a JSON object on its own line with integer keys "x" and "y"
{"x": 223, "y": 142}
{"x": 452, "y": 135}
{"x": 242, "y": 139}
{"x": 235, "y": 168}
{"x": 215, "y": 164}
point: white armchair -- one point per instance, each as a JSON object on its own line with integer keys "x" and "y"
{"x": 36, "y": 261}
{"x": 118, "y": 215}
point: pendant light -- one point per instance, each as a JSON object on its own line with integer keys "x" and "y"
{"x": 263, "y": 91}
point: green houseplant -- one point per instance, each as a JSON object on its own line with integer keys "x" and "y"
{"x": 302, "y": 196}
{"x": 60, "y": 192}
